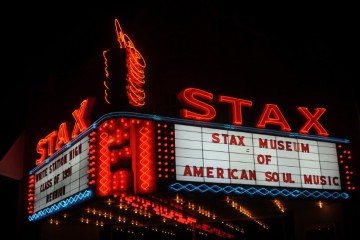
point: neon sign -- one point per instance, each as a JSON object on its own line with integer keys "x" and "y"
{"x": 197, "y": 107}
{"x": 62, "y": 177}
{"x": 135, "y": 153}
{"x": 135, "y": 64}
{"x": 53, "y": 142}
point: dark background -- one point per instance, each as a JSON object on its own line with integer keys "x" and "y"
{"x": 317, "y": 42}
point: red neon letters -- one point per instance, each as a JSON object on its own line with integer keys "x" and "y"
{"x": 56, "y": 139}
{"x": 197, "y": 106}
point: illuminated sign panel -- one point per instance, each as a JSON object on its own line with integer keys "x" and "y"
{"x": 63, "y": 176}
{"x": 233, "y": 157}
{"x": 124, "y": 153}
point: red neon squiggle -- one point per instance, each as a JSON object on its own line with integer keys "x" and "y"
{"x": 135, "y": 64}
{"x": 107, "y": 76}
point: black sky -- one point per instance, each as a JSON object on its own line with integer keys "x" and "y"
{"x": 56, "y": 38}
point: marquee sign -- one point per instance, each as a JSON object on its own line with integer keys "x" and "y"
{"x": 63, "y": 176}
{"x": 125, "y": 153}
{"x": 231, "y": 157}
{"x": 131, "y": 153}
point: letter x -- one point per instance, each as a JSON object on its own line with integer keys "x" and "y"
{"x": 313, "y": 121}
{"x": 81, "y": 117}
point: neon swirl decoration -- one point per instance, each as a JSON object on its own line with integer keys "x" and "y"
{"x": 135, "y": 64}
{"x": 107, "y": 76}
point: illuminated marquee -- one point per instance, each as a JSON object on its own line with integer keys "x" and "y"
{"x": 62, "y": 176}
{"x": 126, "y": 154}
{"x": 232, "y": 157}
{"x": 130, "y": 153}
{"x": 114, "y": 158}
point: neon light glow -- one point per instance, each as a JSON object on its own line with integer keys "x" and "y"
{"x": 107, "y": 76}
{"x": 92, "y": 159}
{"x": 344, "y": 154}
{"x": 31, "y": 195}
{"x": 165, "y": 150}
{"x": 41, "y": 149}
{"x": 122, "y": 148}
{"x": 81, "y": 117}
{"x": 189, "y": 97}
{"x": 115, "y": 175}
{"x": 144, "y": 147}
{"x": 103, "y": 179}
{"x": 144, "y": 164}
{"x": 272, "y": 115}
{"x": 136, "y": 65}
{"x": 53, "y": 142}
{"x": 254, "y": 191}
{"x": 197, "y": 105}
{"x": 125, "y": 157}
{"x": 62, "y": 136}
{"x": 217, "y": 125}
{"x": 64, "y": 204}
{"x": 312, "y": 121}
{"x": 236, "y": 106}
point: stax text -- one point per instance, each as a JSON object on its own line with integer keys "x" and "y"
{"x": 199, "y": 102}
{"x": 58, "y": 138}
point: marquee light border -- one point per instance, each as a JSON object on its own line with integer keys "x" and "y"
{"x": 63, "y": 204}
{"x": 252, "y": 191}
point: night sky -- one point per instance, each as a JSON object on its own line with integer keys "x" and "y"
{"x": 318, "y": 44}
